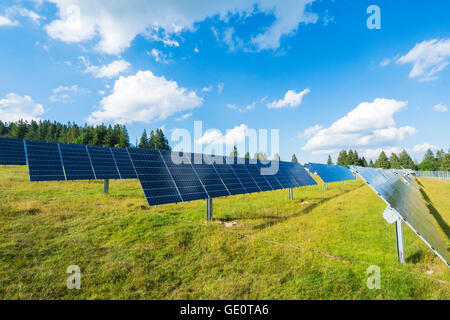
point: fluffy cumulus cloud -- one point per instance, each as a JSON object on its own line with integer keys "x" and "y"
{"x": 15, "y": 107}
{"x": 291, "y": 99}
{"x": 121, "y": 21}
{"x": 111, "y": 70}
{"x": 440, "y": 108}
{"x": 144, "y": 97}
{"x": 7, "y": 22}
{"x": 309, "y": 132}
{"x": 371, "y": 124}
{"x": 232, "y": 137}
{"x": 427, "y": 59}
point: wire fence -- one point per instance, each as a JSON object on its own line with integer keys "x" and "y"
{"x": 444, "y": 175}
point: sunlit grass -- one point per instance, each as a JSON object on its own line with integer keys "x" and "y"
{"x": 315, "y": 247}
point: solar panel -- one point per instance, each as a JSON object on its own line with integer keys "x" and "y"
{"x": 269, "y": 170}
{"x": 44, "y": 161}
{"x": 154, "y": 176}
{"x": 210, "y": 179}
{"x": 12, "y": 152}
{"x": 77, "y": 162}
{"x": 254, "y": 171}
{"x": 124, "y": 164}
{"x": 409, "y": 205}
{"x": 330, "y": 173}
{"x": 184, "y": 175}
{"x": 103, "y": 162}
{"x": 229, "y": 176}
{"x": 301, "y": 176}
{"x": 245, "y": 178}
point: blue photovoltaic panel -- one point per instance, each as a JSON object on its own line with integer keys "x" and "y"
{"x": 302, "y": 176}
{"x": 156, "y": 181}
{"x": 409, "y": 204}
{"x": 255, "y": 173}
{"x": 103, "y": 162}
{"x": 76, "y": 161}
{"x": 329, "y": 173}
{"x": 12, "y": 152}
{"x": 229, "y": 176}
{"x": 44, "y": 161}
{"x": 269, "y": 170}
{"x": 245, "y": 177}
{"x": 286, "y": 175}
{"x": 210, "y": 179}
{"x": 184, "y": 175}
{"x": 124, "y": 164}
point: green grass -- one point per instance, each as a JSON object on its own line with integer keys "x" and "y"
{"x": 318, "y": 246}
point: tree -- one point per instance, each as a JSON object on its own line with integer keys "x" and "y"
{"x": 445, "y": 165}
{"x": 342, "y": 158}
{"x": 294, "y": 158}
{"x": 144, "y": 143}
{"x": 350, "y": 157}
{"x": 330, "y": 161}
{"x": 261, "y": 156}
{"x": 158, "y": 141}
{"x": 234, "y": 153}
{"x": 430, "y": 163}
{"x": 363, "y": 162}
{"x": 276, "y": 157}
{"x": 247, "y": 155}
{"x": 395, "y": 164}
{"x": 383, "y": 161}
{"x": 371, "y": 164}
{"x": 405, "y": 160}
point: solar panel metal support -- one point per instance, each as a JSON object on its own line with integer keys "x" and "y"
{"x": 345, "y": 183}
{"x": 291, "y": 195}
{"x": 106, "y": 186}
{"x": 326, "y": 186}
{"x": 400, "y": 243}
{"x": 209, "y": 209}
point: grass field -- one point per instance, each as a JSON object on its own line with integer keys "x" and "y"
{"x": 318, "y": 246}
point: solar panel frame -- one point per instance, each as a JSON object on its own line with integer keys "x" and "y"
{"x": 124, "y": 163}
{"x": 12, "y": 152}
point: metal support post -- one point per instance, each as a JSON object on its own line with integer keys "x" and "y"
{"x": 291, "y": 195}
{"x": 400, "y": 244}
{"x": 209, "y": 209}
{"x": 345, "y": 183}
{"x": 106, "y": 186}
{"x": 326, "y": 186}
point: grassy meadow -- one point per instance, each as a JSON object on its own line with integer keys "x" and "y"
{"x": 260, "y": 246}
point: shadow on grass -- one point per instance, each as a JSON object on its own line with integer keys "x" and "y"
{"x": 416, "y": 257}
{"x": 276, "y": 220}
{"x": 444, "y": 226}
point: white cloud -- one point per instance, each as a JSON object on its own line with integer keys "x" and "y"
{"x": 64, "y": 94}
{"x": 424, "y": 147}
{"x": 184, "y": 116}
{"x": 207, "y": 89}
{"x": 427, "y": 58}
{"x": 371, "y": 124}
{"x": 244, "y": 109}
{"x": 440, "y": 108}
{"x": 220, "y": 86}
{"x": 159, "y": 56}
{"x": 33, "y": 16}
{"x": 119, "y": 24}
{"x": 291, "y": 99}
{"x": 15, "y": 107}
{"x": 6, "y": 22}
{"x": 111, "y": 70}
{"x": 232, "y": 137}
{"x": 196, "y": 50}
{"x": 309, "y": 132}
{"x": 144, "y": 97}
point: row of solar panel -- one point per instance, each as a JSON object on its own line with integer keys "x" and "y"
{"x": 408, "y": 203}
{"x": 330, "y": 173}
{"x": 201, "y": 177}
{"x": 50, "y": 161}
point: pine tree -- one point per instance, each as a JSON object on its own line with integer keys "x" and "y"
{"x": 445, "y": 164}
{"x": 395, "y": 164}
{"x": 342, "y": 158}
{"x": 405, "y": 161}
{"x": 330, "y": 161}
{"x": 383, "y": 161}
{"x": 158, "y": 141}
{"x": 234, "y": 153}
{"x": 144, "y": 143}
{"x": 124, "y": 140}
{"x": 247, "y": 155}
{"x": 294, "y": 158}
{"x": 371, "y": 164}
{"x": 276, "y": 157}
{"x": 350, "y": 157}
{"x": 364, "y": 162}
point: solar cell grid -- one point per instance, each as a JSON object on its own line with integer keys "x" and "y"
{"x": 103, "y": 163}
{"x": 44, "y": 161}
{"x": 330, "y": 173}
{"x": 77, "y": 162}
{"x": 12, "y": 152}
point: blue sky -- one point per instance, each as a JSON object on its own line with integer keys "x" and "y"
{"x": 311, "y": 69}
